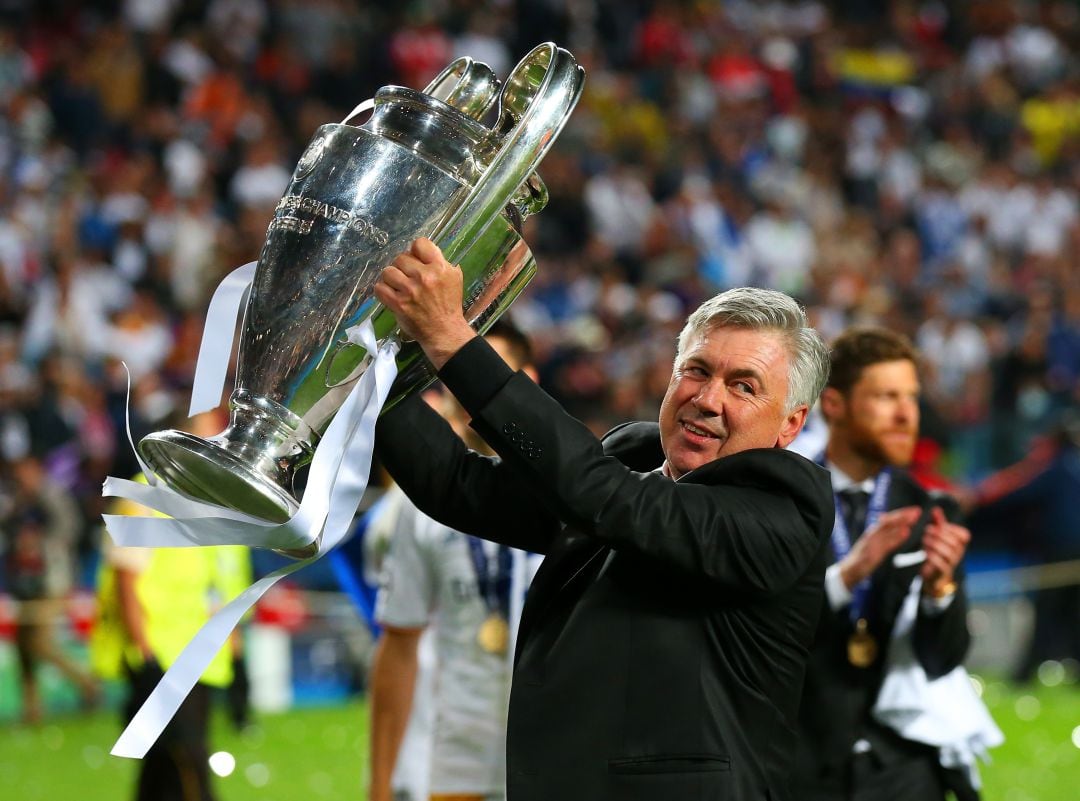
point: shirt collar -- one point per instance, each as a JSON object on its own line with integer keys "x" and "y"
{"x": 842, "y": 481}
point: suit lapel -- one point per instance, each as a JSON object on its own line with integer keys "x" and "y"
{"x": 575, "y": 558}
{"x": 891, "y": 583}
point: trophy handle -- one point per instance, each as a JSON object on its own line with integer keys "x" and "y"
{"x": 535, "y": 103}
{"x": 469, "y": 86}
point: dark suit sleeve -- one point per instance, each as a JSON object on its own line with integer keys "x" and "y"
{"x": 942, "y": 639}
{"x": 456, "y": 486}
{"x": 756, "y": 526}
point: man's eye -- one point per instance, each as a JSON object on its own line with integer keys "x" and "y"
{"x": 744, "y": 387}
{"x": 696, "y": 372}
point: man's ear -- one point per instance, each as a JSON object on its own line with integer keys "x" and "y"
{"x": 833, "y": 404}
{"x": 792, "y": 425}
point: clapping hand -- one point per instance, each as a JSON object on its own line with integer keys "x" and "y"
{"x": 945, "y": 544}
{"x": 890, "y": 531}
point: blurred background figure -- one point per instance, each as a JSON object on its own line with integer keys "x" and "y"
{"x": 471, "y": 593}
{"x": 411, "y": 774}
{"x": 40, "y": 528}
{"x": 151, "y": 602}
{"x": 1038, "y": 498}
{"x": 871, "y": 408}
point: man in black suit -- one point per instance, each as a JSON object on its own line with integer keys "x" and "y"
{"x": 884, "y": 519}
{"x": 663, "y": 643}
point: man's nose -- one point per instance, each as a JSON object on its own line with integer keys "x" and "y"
{"x": 710, "y": 398}
{"x": 907, "y": 410}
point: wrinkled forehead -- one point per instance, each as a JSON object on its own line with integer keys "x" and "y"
{"x": 763, "y": 350}
{"x": 892, "y": 375}
{"x": 770, "y": 341}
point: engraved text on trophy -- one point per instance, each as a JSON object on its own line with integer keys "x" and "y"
{"x": 354, "y": 221}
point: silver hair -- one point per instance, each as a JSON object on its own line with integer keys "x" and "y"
{"x": 760, "y": 309}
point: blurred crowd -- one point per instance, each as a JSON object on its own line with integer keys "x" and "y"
{"x": 913, "y": 164}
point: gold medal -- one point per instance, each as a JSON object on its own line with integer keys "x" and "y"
{"x": 862, "y": 648}
{"x": 494, "y": 634}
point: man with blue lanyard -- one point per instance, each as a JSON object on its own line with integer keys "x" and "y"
{"x": 888, "y": 531}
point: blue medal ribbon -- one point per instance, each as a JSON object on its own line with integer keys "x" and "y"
{"x": 841, "y": 537}
{"x": 492, "y": 576}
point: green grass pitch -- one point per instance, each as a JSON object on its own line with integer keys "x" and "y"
{"x": 320, "y": 753}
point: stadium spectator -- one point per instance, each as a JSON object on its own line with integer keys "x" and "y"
{"x": 1038, "y": 496}
{"x": 41, "y": 529}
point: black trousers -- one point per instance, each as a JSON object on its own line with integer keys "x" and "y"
{"x": 896, "y": 771}
{"x": 176, "y": 767}
{"x": 915, "y": 780}
{"x": 908, "y": 780}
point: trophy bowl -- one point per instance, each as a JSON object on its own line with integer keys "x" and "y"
{"x": 423, "y": 164}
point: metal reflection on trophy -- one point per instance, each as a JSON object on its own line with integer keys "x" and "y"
{"x": 424, "y": 164}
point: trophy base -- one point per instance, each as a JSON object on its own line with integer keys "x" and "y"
{"x": 205, "y": 471}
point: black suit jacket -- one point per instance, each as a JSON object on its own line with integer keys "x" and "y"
{"x": 662, "y": 646}
{"x": 838, "y": 697}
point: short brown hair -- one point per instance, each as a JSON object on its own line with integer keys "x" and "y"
{"x": 858, "y": 348}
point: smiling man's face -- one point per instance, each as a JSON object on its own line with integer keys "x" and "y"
{"x": 727, "y": 394}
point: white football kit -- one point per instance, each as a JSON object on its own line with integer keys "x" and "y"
{"x": 429, "y": 578}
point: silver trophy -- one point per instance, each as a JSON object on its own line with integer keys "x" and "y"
{"x": 424, "y": 164}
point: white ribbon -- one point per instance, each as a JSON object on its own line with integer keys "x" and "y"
{"x": 945, "y": 712}
{"x": 366, "y": 105}
{"x": 220, "y": 328}
{"x": 336, "y": 481}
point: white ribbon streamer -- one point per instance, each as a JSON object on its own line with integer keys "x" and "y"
{"x": 945, "y": 712}
{"x": 366, "y": 105}
{"x": 338, "y": 477}
{"x": 217, "y": 339}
